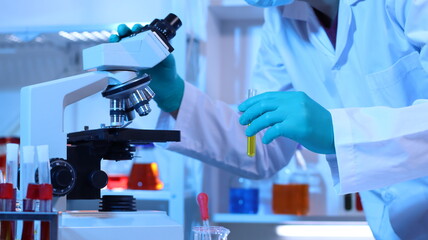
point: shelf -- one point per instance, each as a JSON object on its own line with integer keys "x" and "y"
{"x": 142, "y": 194}
{"x": 284, "y": 219}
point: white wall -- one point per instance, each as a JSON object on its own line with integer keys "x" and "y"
{"x": 49, "y": 14}
{"x": 9, "y": 105}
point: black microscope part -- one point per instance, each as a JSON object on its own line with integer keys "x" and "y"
{"x": 115, "y": 203}
{"x": 86, "y": 150}
{"x": 133, "y": 83}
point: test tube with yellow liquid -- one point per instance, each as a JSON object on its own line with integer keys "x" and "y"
{"x": 251, "y": 141}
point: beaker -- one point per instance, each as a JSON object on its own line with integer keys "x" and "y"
{"x": 210, "y": 233}
{"x": 145, "y": 170}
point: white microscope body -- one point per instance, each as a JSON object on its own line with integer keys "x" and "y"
{"x": 42, "y": 105}
{"x": 107, "y": 65}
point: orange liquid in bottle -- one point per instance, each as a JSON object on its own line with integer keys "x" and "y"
{"x": 117, "y": 181}
{"x": 290, "y": 199}
{"x": 145, "y": 176}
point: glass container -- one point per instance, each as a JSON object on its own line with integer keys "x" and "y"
{"x": 243, "y": 196}
{"x": 290, "y": 191}
{"x": 145, "y": 170}
{"x": 210, "y": 233}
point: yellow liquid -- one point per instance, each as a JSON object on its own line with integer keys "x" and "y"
{"x": 251, "y": 146}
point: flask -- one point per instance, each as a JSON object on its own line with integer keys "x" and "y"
{"x": 118, "y": 173}
{"x": 243, "y": 196}
{"x": 145, "y": 170}
{"x": 290, "y": 191}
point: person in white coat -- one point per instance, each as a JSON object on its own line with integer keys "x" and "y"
{"x": 367, "y": 63}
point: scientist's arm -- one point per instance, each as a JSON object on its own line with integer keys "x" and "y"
{"x": 166, "y": 83}
{"x": 210, "y": 130}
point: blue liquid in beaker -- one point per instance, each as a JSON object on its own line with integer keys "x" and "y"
{"x": 244, "y": 200}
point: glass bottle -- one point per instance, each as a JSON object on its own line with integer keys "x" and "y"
{"x": 243, "y": 196}
{"x": 317, "y": 188}
{"x": 145, "y": 170}
{"x": 290, "y": 191}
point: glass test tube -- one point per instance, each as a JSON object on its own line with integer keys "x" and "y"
{"x": 251, "y": 141}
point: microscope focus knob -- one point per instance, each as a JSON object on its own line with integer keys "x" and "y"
{"x": 98, "y": 179}
{"x": 63, "y": 176}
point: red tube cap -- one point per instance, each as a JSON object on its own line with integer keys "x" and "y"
{"x": 45, "y": 192}
{"x": 6, "y": 191}
{"x": 33, "y": 191}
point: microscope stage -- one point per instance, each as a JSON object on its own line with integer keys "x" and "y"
{"x": 133, "y": 136}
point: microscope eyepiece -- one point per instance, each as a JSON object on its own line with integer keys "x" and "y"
{"x": 167, "y": 26}
{"x": 173, "y": 21}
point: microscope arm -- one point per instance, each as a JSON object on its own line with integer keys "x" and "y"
{"x": 42, "y": 108}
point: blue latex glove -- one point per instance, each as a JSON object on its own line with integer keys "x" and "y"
{"x": 167, "y": 85}
{"x": 289, "y": 114}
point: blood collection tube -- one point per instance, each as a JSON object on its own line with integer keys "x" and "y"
{"x": 45, "y": 188}
{"x": 7, "y": 231}
{"x": 45, "y": 196}
{"x": 12, "y": 150}
{"x": 28, "y": 189}
{"x": 251, "y": 141}
{"x": 30, "y": 206}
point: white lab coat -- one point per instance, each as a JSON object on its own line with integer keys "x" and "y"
{"x": 378, "y": 69}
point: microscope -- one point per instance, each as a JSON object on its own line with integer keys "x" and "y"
{"x": 115, "y": 70}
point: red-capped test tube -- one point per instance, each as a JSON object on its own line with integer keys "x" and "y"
{"x": 7, "y": 231}
{"x": 11, "y": 177}
{"x": 45, "y": 196}
{"x": 45, "y": 190}
{"x": 29, "y": 205}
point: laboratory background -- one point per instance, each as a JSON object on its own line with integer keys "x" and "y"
{"x": 215, "y": 50}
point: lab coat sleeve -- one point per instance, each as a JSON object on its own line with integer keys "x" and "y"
{"x": 210, "y": 132}
{"x": 380, "y": 146}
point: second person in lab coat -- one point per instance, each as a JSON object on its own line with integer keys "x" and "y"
{"x": 367, "y": 63}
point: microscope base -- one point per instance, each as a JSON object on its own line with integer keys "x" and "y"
{"x": 89, "y": 225}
